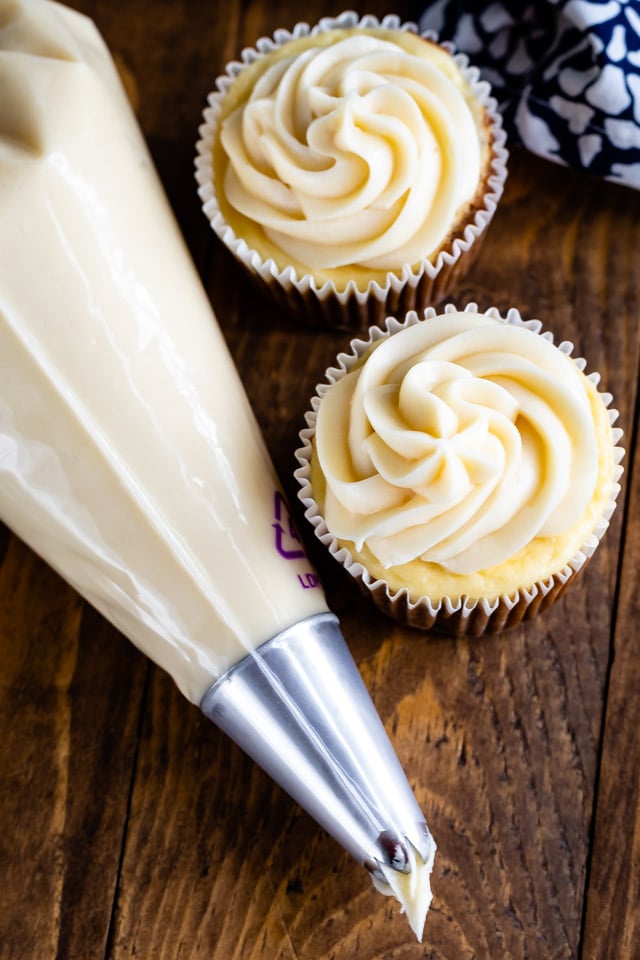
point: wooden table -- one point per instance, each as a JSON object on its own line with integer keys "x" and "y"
{"x": 131, "y": 827}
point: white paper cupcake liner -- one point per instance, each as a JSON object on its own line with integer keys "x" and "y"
{"x": 463, "y": 615}
{"x": 353, "y": 308}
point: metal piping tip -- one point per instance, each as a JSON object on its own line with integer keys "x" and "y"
{"x": 299, "y": 708}
{"x": 392, "y": 851}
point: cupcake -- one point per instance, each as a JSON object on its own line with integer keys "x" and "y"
{"x": 462, "y": 467}
{"x": 352, "y": 167}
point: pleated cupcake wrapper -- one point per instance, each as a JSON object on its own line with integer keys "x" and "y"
{"x": 464, "y": 615}
{"x": 353, "y": 309}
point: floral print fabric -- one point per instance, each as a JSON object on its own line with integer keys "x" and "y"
{"x": 565, "y": 72}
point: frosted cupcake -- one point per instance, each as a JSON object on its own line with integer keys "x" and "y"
{"x": 462, "y": 467}
{"x": 352, "y": 167}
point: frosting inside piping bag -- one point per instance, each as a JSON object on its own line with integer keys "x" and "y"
{"x": 130, "y": 459}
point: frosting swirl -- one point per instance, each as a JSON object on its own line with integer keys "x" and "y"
{"x": 458, "y": 441}
{"x": 355, "y": 152}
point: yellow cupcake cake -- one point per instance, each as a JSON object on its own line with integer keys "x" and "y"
{"x": 461, "y": 466}
{"x": 352, "y": 167}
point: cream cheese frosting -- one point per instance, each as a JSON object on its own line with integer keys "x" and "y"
{"x": 458, "y": 442}
{"x": 412, "y": 890}
{"x": 352, "y": 148}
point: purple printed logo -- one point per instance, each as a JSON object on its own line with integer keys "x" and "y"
{"x": 287, "y": 541}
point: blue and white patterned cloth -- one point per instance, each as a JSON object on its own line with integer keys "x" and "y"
{"x": 566, "y": 74}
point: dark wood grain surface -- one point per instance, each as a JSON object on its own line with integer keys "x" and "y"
{"x": 130, "y": 827}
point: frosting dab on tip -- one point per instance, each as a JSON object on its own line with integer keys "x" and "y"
{"x": 413, "y": 889}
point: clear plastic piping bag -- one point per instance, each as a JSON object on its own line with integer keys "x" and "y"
{"x": 130, "y": 459}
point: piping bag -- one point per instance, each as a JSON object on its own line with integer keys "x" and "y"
{"x": 131, "y": 462}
